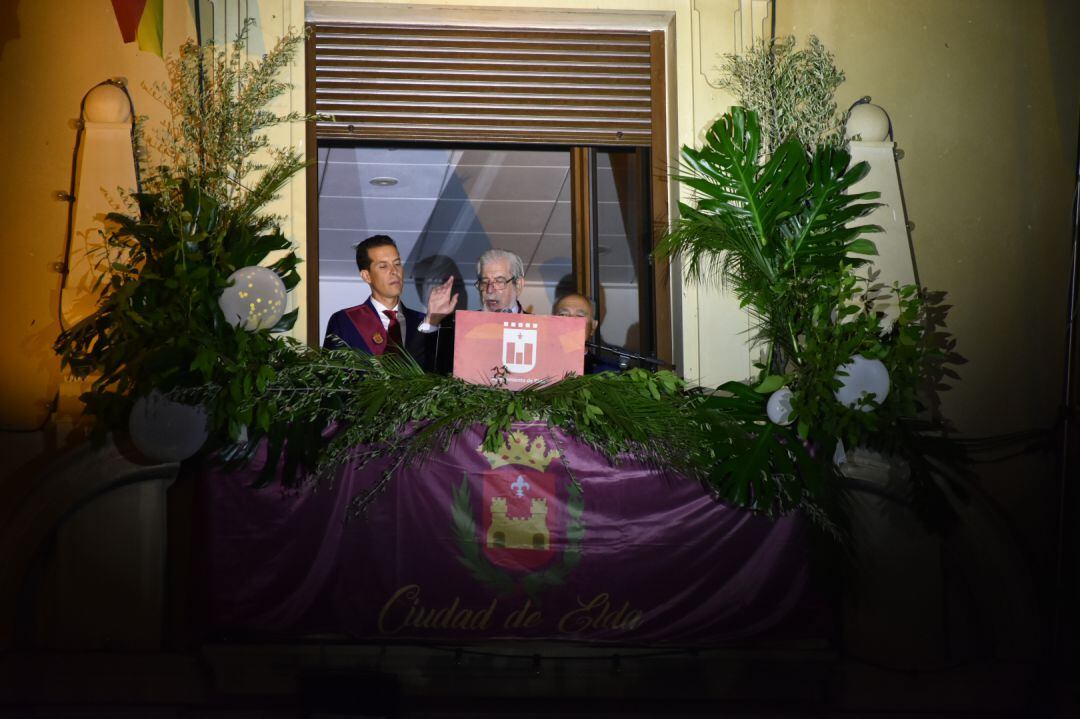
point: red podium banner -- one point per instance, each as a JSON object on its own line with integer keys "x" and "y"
{"x": 517, "y": 350}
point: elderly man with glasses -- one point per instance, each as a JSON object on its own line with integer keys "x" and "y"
{"x": 500, "y": 277}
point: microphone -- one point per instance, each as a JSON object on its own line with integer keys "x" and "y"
{"x": 624, "y": 356}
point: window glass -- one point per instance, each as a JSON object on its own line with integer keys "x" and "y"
{"x": 623, "y": 244}
{"x": 443, "y": 207}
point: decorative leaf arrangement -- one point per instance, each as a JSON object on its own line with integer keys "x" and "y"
{"x": 780, "y": 231}
{"x": 158, "y": 325}
{"x": 217, "y": 101}
{"x": 790, "y": 90}
{"x": 389, "y": 405}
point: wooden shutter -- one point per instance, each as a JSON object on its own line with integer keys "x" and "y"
{"x": 381, "y": 82}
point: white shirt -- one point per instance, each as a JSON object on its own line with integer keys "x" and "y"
{"x": 380, "y": 308}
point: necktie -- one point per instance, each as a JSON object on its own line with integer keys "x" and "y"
{"x": 393, "y": 332}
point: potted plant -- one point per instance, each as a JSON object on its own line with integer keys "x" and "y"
{"x": 774, "y": 219}
{"x": 198, "y": 219}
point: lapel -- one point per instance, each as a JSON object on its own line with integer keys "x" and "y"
{"x": 367, "y": 322}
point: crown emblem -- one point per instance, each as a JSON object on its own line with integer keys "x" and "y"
{"x": 518, "y": 449}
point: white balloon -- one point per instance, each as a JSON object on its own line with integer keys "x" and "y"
{"x": 864, "y": 376}
{"x": 779, "y": 406}
{"x": 255, "y": 299}
{"x": 166, "y": 430}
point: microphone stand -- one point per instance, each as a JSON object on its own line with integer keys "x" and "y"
{"x": 624, "y": 356}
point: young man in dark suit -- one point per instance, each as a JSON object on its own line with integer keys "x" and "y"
{"x": 383, "y": 324}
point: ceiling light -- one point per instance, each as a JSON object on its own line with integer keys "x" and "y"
{"x": 384, "y": 181}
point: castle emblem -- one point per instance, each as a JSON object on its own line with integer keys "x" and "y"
{"x": 519, "y": 346}
{"x": 520, "y": 497}
{"x": 529, "y": 532}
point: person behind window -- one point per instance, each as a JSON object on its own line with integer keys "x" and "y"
{"x": 383, "y": 324}
{"x": 429, "y": 272}
{"x": 500, "y": 277}
{"x": 576, "y": 305}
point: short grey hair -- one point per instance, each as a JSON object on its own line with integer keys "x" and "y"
{"x": 560, "y": 298}
{"x": 517, "y": 267}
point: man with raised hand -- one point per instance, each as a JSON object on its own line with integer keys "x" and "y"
{"x": 383, "y": 324}
{"x": 500, "y": 277}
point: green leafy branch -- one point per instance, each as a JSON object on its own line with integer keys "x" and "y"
{"x": 157, "y": 324}
{"x": 389, "y": 403}
{"x": 782, "y": 231}
{"x": 791, "y": 90}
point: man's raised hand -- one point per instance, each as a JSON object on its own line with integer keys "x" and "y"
{"x": 441, "y": 301}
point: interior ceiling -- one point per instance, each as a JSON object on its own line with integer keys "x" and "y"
{"x": 458, "y": 203}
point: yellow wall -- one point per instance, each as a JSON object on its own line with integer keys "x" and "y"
{"x": 983, "y": 96}
{"x": 52, "y": 53}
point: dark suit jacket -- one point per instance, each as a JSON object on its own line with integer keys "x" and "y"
{"x": 361, "y": 328}
{"x": 443, "y": 354}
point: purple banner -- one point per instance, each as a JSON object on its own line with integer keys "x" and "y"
{"x": 542, "y": 540}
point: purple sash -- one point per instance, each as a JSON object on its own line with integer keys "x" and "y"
{"x": 367, "y": 323}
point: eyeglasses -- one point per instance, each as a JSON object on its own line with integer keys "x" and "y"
{"x": 499, "y": 283}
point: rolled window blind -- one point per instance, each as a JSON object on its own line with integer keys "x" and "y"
{"x": 380, "y": 82}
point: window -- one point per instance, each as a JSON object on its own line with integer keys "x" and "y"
{"x": 445, "y": 206}
{"x": 454, "y": 140}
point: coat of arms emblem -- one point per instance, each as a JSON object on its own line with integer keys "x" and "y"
{"x": 530, "y": 518}
{"x": 519, "y": 346}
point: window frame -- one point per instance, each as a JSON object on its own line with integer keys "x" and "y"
{"x": 655, "y": 300}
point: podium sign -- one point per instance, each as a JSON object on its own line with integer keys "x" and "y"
{"x": 517, "y": 350}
